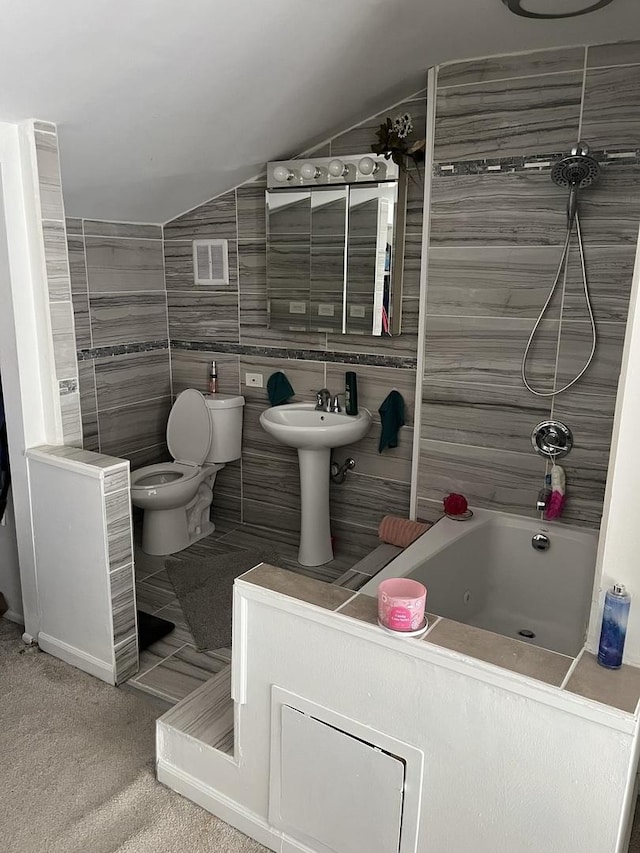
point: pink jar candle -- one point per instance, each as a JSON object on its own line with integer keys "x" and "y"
{"x": 401, "y": 604}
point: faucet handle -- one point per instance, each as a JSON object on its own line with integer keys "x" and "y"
{"x": 323, "y": 398}
{"x": 335, "y": 403}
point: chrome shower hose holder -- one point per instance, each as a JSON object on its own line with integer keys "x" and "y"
{"x": 552, "y": 439}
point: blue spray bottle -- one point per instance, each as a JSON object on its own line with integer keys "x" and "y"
{"x": 615, "y": 616}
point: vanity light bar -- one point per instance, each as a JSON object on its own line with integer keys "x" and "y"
{"x": 331, "y": 170}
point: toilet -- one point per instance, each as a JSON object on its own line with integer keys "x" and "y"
{"x": 203, "y": 433}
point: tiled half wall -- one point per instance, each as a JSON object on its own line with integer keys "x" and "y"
{"x": 497, "y": 229}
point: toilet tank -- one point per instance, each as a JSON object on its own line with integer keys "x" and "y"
{"x": 225, "y": 412}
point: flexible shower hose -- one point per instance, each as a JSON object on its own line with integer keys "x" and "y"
{"x": 564, "y": 260}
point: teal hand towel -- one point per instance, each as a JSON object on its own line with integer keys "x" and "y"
{"x": 279, "y": 389}
{"x": 392, "y": 418}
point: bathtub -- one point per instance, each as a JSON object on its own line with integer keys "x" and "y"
{"x": 485, "y": 572}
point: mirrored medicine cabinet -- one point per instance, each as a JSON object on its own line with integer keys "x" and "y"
{"x": 335, "y": 245}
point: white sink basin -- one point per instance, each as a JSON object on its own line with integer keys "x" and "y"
{"x": 314, "y": 433}
{"x": 301, "y": 425}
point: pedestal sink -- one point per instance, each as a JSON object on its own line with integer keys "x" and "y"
{"x": 314, "y": 433}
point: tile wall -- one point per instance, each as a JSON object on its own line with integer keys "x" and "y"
{"x": 51, "y": 209}
{"x": 230, "y": 325}
{"x": 120, "y": 308}
{"x": 497, "y": 228}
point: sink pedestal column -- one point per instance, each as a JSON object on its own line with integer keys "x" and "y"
{"x": 315, "y": 529}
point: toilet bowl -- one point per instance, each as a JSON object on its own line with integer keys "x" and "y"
{"x": 203, "y": 433}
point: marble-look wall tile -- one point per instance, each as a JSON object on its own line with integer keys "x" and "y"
{"x": 591, "y": 422}
{"x": 126, "y": 659}
{"x": 49, "y": 176}
{"x": 125, "y": 379}
{"x": 88, "y": 405}
{"x": 611, "y": 115}
{"x": 272, "y": 480}
{"x": 178, "y": 260}
{"x": 82, "y": 320}
{"x": 64, "y": 342}
{"x": 392, "y": 463}
{"x": 610, "y": 274}
{"x": 136, "y": 427}
{"x": 203, "y": 316}
{"x": 123, "y": 606}
{"x": 73, "y": 226}
{"x": 256, "y": 440}
{"x": 511, "y": 66}
{"x": 140, "y": 230}
{"x": 77, "y": 263}
{"x": 619, "y": 53}
{"x": 216, "y": 219}
{"x": 254, "y": 330}
{"x": 123, "y": 318}
{"x": 429, "y": 510}
{"x": 496, "y": 479}
{"x": 252, "y": 266}
{"x": 226, "y": 509}
{"x": 56, "y": 261}
{"x": 250, "y": 200}
{"x": 575, "y": 346}
{"x": 507, "y": 209}
{"x": 365, "y": 500}
{"x": 46, "y": 126}
{"x": 488, "y": 350}
{"x": 71, "y": 419}
{"x": 150, "y": 455}
{"x": 116, "y": 264}
{"x": 482, "y": 415}
{"x": 412, "y": 261}
{"x": 492, "y": 281}
{"x": 118, "y": 515}
{"x": 116, "y": 479}
{"x": 610, "y": 208}
{"x": 511, "y": 117}
{"x": 405, "y": 344}
{"x": 191, "y": 369}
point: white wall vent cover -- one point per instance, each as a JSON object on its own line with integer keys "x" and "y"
{"x": 211, "y": 262}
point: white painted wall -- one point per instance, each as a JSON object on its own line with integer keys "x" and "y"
{"x": 26, "y": 347}
{"x": 619, "y": 547}
{"x": 509, "y": 764}
{"x": 9, "y": 566}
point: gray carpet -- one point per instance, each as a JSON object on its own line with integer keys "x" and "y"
{"x": 78, "y": 767}
{"x": 204, "y": 588}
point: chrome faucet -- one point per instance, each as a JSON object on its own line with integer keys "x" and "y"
{"x": 323, "y": 400}
{"x": 543, "y": 499}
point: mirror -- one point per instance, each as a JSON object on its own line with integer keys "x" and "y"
{"x": 334, "y": 257}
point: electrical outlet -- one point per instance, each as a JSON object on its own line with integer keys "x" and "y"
{"x": 255, "y": 380}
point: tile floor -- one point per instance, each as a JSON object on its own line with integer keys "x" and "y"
{"x": 172, "y": 668}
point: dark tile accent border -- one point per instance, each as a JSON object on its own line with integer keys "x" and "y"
{"x": 242, "y": 349}
{"x": 537, "y": 163}
{"x": 298, "y": 354}
{"x": 120, "y": 349}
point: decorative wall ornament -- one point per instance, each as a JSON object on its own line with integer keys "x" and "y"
{"x": 397, "y": 142}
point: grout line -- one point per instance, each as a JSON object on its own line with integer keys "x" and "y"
{"x": 135, "y": 403}
{"x": 348, "y": 601}
{"x": 571, "y": 669}
{"x": 136, "y": 676}
{"x": 503, "y": 79}
{"x": 582, "y": 93}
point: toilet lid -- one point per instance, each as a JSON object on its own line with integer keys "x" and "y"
{"x": 189, "y": 428}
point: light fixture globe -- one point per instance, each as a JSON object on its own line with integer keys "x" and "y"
{"x": 336, "y": 168}
{"x": 527, "y": 8}
{"x": 309, "y": 172}
{"x": 282, "y": 174}
{"x": 367, "y": 166}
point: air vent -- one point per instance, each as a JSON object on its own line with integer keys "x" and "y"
{"x": 210, "y": 262}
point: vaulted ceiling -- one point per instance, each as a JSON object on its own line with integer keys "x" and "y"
{"x": 162, "y": 104}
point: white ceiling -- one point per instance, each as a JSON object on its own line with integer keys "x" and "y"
{"x": 162, "y": 104}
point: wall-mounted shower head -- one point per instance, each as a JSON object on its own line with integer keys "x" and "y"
{"x": 579, "y": 169}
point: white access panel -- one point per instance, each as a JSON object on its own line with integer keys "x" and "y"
{"x": 338, "y": 794}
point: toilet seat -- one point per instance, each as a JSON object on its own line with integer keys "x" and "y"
{"x": 163, "y": 475}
